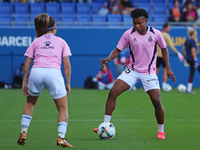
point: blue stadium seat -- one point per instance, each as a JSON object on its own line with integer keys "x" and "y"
{"x": 144, "y": 2}
{"x": 6, "y": 20}
{"x": 158, "y": 1}
{"x": 32, "y": 17}
{"x": 36, "y": 8}
{"x": 171, "y": 1}
{"x": 21, "y": 20}
{"x": 68, "y": 20}
{"x": 53, "y": 9}
{"x": 68, "y": 8}
{"x": 127, "y": 21}
{"x": 99, "y": 20}
{"x": 83, "y": 8}
{"x": 160, "y": 9}
{"x": 171, "y": 5}
{"x": 21, "y": 8}
{"x": 160, "y": 18}
{"x": 96, "y": 7}
{"x": 147, "y": 7}
{"x": 6, "y": 8}
{"x": 83, "y": 20}
{"x": 150, "y": 19}
{"x": 98, "y": 1}
{"x": 57, "y": 19}
{"x": 114, "y": 20}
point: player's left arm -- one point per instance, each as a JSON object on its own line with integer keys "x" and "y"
{"x": 170, "y": 73}
{"x": 67, "y": 71}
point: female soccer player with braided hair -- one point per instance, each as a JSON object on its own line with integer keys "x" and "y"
{"x": 142, "y": 41}
{"x": 47, "y": 51}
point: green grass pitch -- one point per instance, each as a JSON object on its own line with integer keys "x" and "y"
{"x": 136, "y": 127}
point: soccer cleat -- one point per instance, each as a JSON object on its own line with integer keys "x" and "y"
{"x": 63, "y": 143}
{"x": 191, "y": 92}
{"x": 95, "y": 130}
{"x": 22, "y": 139}
{"x": 161, "y": 135}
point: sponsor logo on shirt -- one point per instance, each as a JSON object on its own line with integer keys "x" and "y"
{"x": 134, "y": 39}
{"x": 47, "y": 45}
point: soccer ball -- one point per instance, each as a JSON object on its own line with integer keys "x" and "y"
{"x": 106, "y": 131}
{"x": 167, "y": 88}
{"x": 181, "y": 88}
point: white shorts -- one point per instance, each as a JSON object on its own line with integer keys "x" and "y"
{"x": 131, "y": 77}
{"x": 50, "y": 77}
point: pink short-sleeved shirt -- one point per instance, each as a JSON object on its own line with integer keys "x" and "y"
{"x": 143, "y": 52}
{"x": 47, "y": 51}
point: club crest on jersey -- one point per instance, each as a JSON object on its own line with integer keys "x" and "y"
{"x": 150, "y": 39}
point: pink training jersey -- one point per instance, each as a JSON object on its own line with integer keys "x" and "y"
{"x": 47, "y": 51}
{"x": 143, "y": 52}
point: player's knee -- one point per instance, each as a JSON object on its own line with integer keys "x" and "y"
{"x": 157, "y": 104}
{"x": 113, "y": 93}
{"x": 62, "y": 109}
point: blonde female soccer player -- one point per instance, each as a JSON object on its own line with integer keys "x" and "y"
{"x": 47, "y": 51}
{"x": 190, "y": 54}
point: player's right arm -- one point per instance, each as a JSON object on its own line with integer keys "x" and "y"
{"x": 67, "y": 71}
{"x": 26, "y": 70}
{"x": 112, "y": 55}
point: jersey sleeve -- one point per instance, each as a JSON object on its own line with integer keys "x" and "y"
{"x": 160, "y": 40}
{"x": 66, "y": 50}
{"x": 30, "y": 50}
{"x": 123, "y": 42}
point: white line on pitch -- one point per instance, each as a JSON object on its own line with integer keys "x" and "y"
{"x": 93, "y": 120}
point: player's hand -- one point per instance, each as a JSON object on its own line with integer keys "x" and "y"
{"x": 68, "y": 88}
{"x": 180, "y": 56}
{"x": 25, "y": 89}
{"x": 171, "y": 74}
{"x": 104, "y": 61}
{"x": 196, "y": 64}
